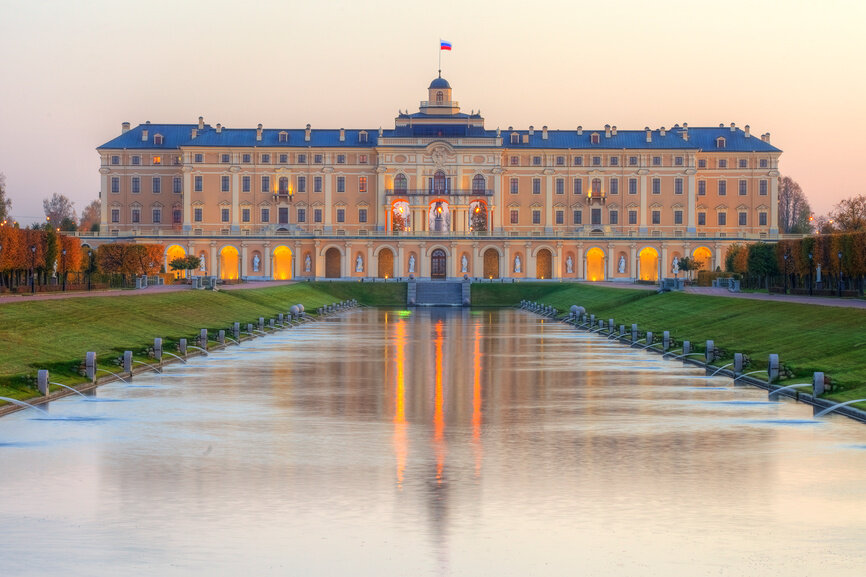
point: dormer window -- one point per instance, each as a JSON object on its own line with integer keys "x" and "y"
{"x": 157, "y": 139}
{"x": 440, "y": 98}
{"x": 362, "y": 136}
{"x": 595, "y": 138}
{"x": 284, "y": 136}
{"x": 720, "y": 142}
{"x": 515, "y": 138}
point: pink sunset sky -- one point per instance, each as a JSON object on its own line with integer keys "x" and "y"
{"x": 71, "y": 72}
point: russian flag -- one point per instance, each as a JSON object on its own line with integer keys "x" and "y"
{"x": 444, "y": 45}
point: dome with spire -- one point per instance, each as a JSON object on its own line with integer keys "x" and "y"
{"x": 439, "y": 83}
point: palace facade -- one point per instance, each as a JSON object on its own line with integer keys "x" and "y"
{"x": 439, "y": 196}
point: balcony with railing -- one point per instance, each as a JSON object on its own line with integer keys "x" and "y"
{"x": 438, "y": 192}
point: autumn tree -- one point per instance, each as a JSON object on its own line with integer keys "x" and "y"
{"x": 90, "y": 217}
{"x": 5, "y": 203}
{"x": 59, "y": 211}
{"x": 850, "y": 214}
{"x": 737, "y": 259}
{"x": 794, "y": 211}
{"x": 185, "y": 263}
{"x": 147, "y": 258}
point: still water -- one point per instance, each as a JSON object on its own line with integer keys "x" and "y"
{"x": 441, "y": 442}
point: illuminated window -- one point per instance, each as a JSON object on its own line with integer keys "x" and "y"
{"x": 362, "y": 184}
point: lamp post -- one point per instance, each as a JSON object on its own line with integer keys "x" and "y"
{"x": 32, "y": 269}
{"x": 89, "y": 268}
{"x": 1, "y": 270}
{"x": 785, "y": 256}
{"x": 63, "y": 267}
{"x": 810, "y": 274}
{"x": 839, "y": 254}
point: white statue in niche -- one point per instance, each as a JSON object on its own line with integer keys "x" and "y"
{"x": 621, "y": 267}
{"x": 308, "y": 263}
{"x": 411, "y": 263}
{"x": 818, "y": 273}
{"x": 569, "y": 265}
{"x": 464, "y": 264}
{"x": 54, "y": 274}
{"x": 675, "y": 266}
{"x": 202, "y": 266}
{"x": 256, "y": 262}
{"x": 517, "y": 263}
{"x": 359, "y": 264}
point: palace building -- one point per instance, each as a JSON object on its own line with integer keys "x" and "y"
{"x": 439, "y": 195}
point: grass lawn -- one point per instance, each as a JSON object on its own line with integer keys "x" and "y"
{"x": 807, "y": 338}
{"x": 55, "y": 334}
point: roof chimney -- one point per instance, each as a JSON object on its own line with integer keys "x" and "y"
{"x": 144, "y": 135}
{"x": 544, "y": 132}
{"x": 607, "y": 130}
{"x": 510, "y": 128}
{"x": 219, "y": 128}
{"x": 342, "y": 135}
{"x": 124, "y": 128}
{"x": 307, "y": 134}
{"x": 649, "y": 134}
{"x": 613, "y": 130}
{"x": 580, "y": 130}
{"x": 685, "y": 130}
{"x": 748, "y": 131}
{"x": 259, "y": 132}
{"x": 662, "y": 131}
{"x": 531, "y": 130}
{"x": 766, "y": 138}
{"x": 733, "y": 127}
{"x": 201, "y": 122}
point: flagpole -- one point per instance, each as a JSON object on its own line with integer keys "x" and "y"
{"x": 440, "y": 58}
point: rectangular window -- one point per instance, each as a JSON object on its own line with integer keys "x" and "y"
{"x": 595, "y": 216}
{"x": 678, "y": 186}
{"x": 266, "y": 159}
{"x": 317, "y": 215}
{"x": 177, "y": 216}
{"x": 743, "y": 187}
{"x": 115, "y": 184}
{"x": 536, "y": 217}
{"x": 115, "y": 215}
{"x": 136, "y": 215}
{"x": 613, "y": 161}
{"x": 362, "y": 184}
{"x": 246, "y": 183}
{"x": 723, "y": 187}
{"x": 763, "y": 163}
{"x": 224, "y": 158}
{"x": 362, "y": 215}
{"x": 156, "y": 213}
{"x": 560, "y": 217}
{"x": 341, "y": 159}
{"x": 560, "y": 186}
{"x": 678, "y": 217}
{"x": 224, "y": 183}
{"x": 284, "y": 159}
{"x": 317, "y": 184}
{"x": 266, "y": 184}
{"x": 513, "y": 215}
{"x": 341, "y": 184}
{"x": 302, "y": 159}
{"x": 614, "y": 217}
{"x": 245, "y": 215}
{"x": 302, "y": 184}
{"x": 577, "y": 217}
{"x": 632, "y": 160}
{"x": 577, "y": 186}
{"x": 302, "y": 215}
{"x": 317, "y": 158}
{"x": 246, "y": 158}
{"x": 656, "y": 217}
{"x": 702, "y": 163}
{"x": 362, "y": 159}
{"x": 632, "y": 217}
{"x": 723, "y": 163}
{"x": 722, "y": 218}
{"x": 678, "y": 161}
{"x": 614, "y": 186}
{"x": 536, "y": 186}
{"x": 197, "y": 214}
{"x": 657, "y": 186}
{"x": 266, "y": 215}
{"x": 199, "y": 158}
{"x": 156, "y": 160}
{"x": 136, "y": 184}
{"x": 657, "y": 160}
{"x": 596, "y": 161}
{"x": 177, "y": 185}
{"x": 762, "y": 188}
{"x": 225, "y": 215}
{"x": 115, "y": 159}
{"x": 632, "y": 186}
{"x": 578, "y": 161}
{"x": 702, "y": 188}
{"x": 341, "y": 215}
{"x": 156, "y": 185}
{"x": 702, "y": 219}
{"x": 136, "y": 160}
{"x": 762, "y": 218}
{"x": 560, "y": 161}
{"x": 515, "y": 161}
{"x": 514, "y": 186}
{"x": 744, "y": 163}
{"x": 536, "y": 161}
{"x": 742, "y": 218}
{"x": 198, "y": 183}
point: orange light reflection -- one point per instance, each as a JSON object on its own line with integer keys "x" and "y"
{"x": 439, "y": 407}
{"x": 401, "y": 441}
{"x": 476, "y": 400}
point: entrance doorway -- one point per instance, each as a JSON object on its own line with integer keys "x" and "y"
{"x": 543, "y": 266}
{"x": 333, "y": 263}
{"x": 386, "y": 263}
{"x": 438, "y": 262}
{"x": 491, "y": 263}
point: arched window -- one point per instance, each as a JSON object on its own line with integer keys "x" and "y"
{"x": 157, "y": 139}
{"x": 594, "y": 138}
{"x": 439, "y": 182}
{"x": 284, "y": 136}
{"x": 400, "y": 184}
{"x": 440, "y": 98}
{"x": 478, "y": 184}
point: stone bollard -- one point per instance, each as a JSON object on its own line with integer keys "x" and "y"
{"x": 600, "y": 325}
{"x": 610, "y": 325}
{"x": 649, "y": 338}
{"x": 42, "y": 381}
{"x": 710, "y": 355}
{"x": 281, "y": 319}
{"x": 687, "y": 348}
{"x": 236, "y": 331}
{"x": 591, "y": 320}
{"x": 90, "y": 366}
{"x": 181, "y": 347}
{"x": 621, "y": 330}
{"x": 221, "y": 337}
{"x": 250, "y": 328}
{"x": 634, "y": 333}
{"x": 203, "y": 338}
{"x": 272, "y": 323}
{"x": 127, "y": 362}
{"x": 773, "y": 368}
{"x": 817, "y": 384}
{"x": 666, "y": 340}
{"x": 738, "y": 363}
{"x": 157, "y": 349}
{"x": 261, "y": 323}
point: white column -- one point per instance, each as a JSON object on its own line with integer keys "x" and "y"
{"x": 497, "y": 201}
{"x": 236, "y": 217}
{"x": 104, "y": 192}
{"x": 213, "y": 268}
{"x": 269, "y": 256}
{"x": 243, "y": 261}
{"x": 400, "y": 256}
{"x": 329, "y": 207}
{"x": 643, "y": 204}
{"x": 187, "y": 198}
{"x": 383, "y": 215}
{"x": 508, "y": 265}
{"x": 557, "y": 266}
{"x": 581, "y": 262}
{"x": 348, "y": 261}
{"x": 611, "y": 261}
{"x": 548, "y": 202}
{"x": 663, "y": 263}
{"x": 692, "y": 202}
{"x": 774, "y": 205}
{"x": 632, "y": 268}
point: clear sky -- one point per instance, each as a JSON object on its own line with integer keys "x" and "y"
{"x": 71, "y": 72}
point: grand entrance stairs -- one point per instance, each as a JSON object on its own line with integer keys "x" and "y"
{"x": 438, "y": 294}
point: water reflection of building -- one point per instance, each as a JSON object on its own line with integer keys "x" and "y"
{"x": 571, "y": 204}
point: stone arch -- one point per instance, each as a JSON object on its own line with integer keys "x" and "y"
{"x": 541, "y": 247}
{"x": 382, "y": 247}
{"x": 543, "y": 263}
{"x": 492, "y": 257}
{"x": 385, "y": 262}
{"x": 174, "y": 251}
{"x": 648, "y": 264}
{"x": 333, "y": 262}
{"x": 282, "y": 258}
{"x": 433, "y": 247}
{"x": 229, "y": 263}
{"x": 704, "y": 256}
{"x": 595, "y": 260}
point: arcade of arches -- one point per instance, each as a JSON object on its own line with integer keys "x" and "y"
{"x": 543, "y": 264}
{"x": 704, "y": 257}
{"x": 173, "y": 252}
{"x": 595, "y": 264}
{"x": 491, "y": 263}
{"x": 386, "y": 263}
{"x": 282, "y": 263}
{"x": 333, "y": 263}
{"x": 649, "y": 264}
{"x": 229, "y": 263}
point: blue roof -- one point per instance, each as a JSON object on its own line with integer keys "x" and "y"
{"x": 700, "y": 138}
{"x": 440, "y": 83}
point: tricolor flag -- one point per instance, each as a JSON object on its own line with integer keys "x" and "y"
{"x": 444, "y": 45}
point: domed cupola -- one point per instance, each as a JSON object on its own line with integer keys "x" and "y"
{"x": 439, "y": 92}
